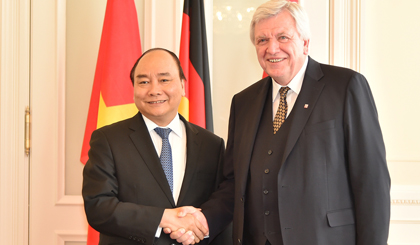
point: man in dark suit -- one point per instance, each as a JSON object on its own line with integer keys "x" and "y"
{"x": 130, "y": 192}
{"x": 305, "y": 152}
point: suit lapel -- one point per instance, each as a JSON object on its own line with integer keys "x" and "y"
{"x": 249, "y": 127}
{"x": 193, "y": 147}
{"x": 143, "y": 143}
{"x": 306, "y": 101}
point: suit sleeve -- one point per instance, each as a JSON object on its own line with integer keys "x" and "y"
{"x": 104, "y": 211}
{"x": 219, "y": 208}
{"x": 368, "y": 170}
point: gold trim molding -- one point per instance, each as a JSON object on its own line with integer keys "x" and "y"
{"x": 405, "y": 202}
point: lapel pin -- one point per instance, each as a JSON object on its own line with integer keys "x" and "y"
{"x": 306, "y": 106}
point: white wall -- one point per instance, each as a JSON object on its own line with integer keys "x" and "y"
{"x": 390, "y": 62}
{"x": 389, "y": 59}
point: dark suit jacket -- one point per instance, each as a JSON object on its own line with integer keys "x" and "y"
{"x": 333, "y": 184}
{"x": 125, "y": 190}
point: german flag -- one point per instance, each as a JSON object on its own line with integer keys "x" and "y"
{"x": 112, "y": 92}
{"x": 196, "y": 106}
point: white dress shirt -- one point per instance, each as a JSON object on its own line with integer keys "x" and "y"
{"x": 295, "y": 86}
{"x": 178, "y": 142}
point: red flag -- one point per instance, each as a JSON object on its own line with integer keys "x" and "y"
{"x": 196, "y": 105}
{"x": 112, "y": 92}
{"x": 265, "y": 74}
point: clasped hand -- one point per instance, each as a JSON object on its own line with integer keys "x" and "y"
{"x": 187, "y": 225}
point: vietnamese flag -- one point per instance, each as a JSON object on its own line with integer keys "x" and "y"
{"x": 265, "y": 74}
{"x": 112, "y": 92}
{"x": 196, "y": 106}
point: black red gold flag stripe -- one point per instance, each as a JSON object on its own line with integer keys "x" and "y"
{"x": 196, "y": 106}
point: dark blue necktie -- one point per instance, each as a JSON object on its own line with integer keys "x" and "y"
{"x": 166, "y": 155}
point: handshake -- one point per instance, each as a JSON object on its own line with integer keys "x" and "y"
{"x": 187, "y": 225}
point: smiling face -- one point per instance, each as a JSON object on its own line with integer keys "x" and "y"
{"x": 158, "y": 88}
{"x": 280, "y": 49}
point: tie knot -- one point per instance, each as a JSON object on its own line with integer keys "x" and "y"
{"x": 283, "y": 91}
{"x": 163, "y": 132}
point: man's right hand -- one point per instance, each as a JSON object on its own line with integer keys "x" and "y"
{"x": 185, "y": 224}
{"x": 183, "y": 236}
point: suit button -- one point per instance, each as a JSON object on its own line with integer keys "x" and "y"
{"x": 265, "y": 192}
{"x": 266, "y": 213}
{"x": 270, "y": 152}
{"x": 242, "y": 199}
{"x": 239, "y": 241}
{"x": 267, "y": 171}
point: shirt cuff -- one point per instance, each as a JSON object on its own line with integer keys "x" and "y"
{"x": 158, "y": 232}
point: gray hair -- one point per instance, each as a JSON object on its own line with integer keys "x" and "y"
{"x": 274, "y": 7}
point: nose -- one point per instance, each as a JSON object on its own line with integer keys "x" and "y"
{"x": 272, "y": 46}
{"x": 155, "y": 88}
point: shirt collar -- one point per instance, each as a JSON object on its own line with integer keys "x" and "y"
{"x": 295, "y": 85}
{"x": 174, "y": 125}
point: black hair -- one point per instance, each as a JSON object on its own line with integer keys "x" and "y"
{"x": 178, "y": 63}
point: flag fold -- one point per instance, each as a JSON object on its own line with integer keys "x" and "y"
{"x": 112, "y": 92}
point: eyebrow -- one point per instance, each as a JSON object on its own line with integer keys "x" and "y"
{"x": 283, "y": 33}
{"x": 164, "y": 74}
{"x": 259, "y": 37}
{"x": 276, "y": 35}
{"x": 159, "y": 74}
{"x": 141, "y": 76}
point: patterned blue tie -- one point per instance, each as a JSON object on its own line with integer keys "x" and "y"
{"x": 166, "y": 155}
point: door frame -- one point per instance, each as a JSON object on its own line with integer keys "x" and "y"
{"x": 14, "y": 98}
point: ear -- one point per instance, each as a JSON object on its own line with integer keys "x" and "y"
{"x": 306, "y": 47}
{"x": 183, "y": 87}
